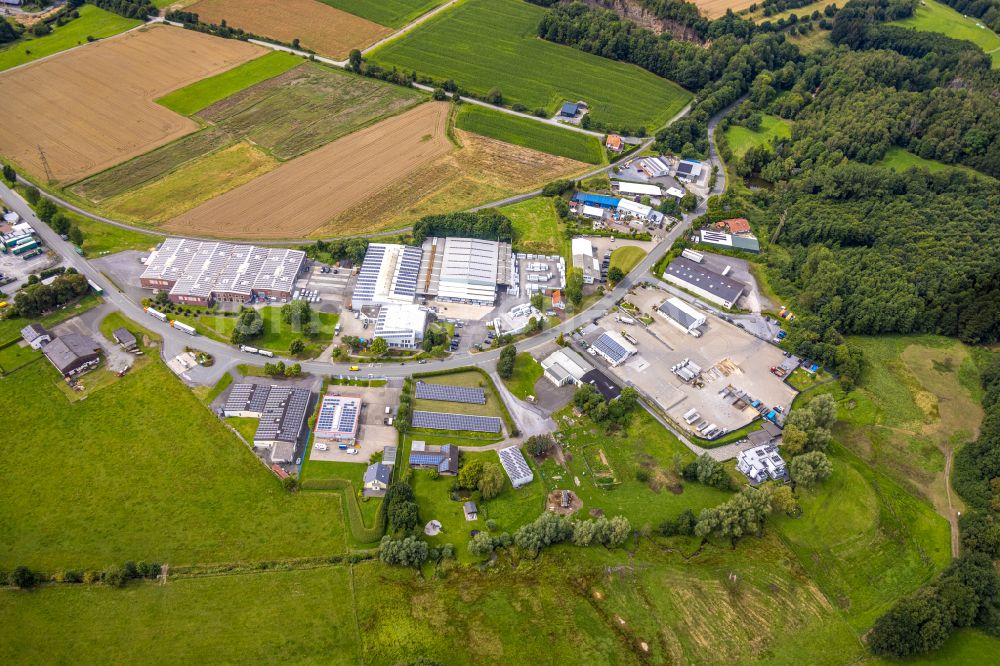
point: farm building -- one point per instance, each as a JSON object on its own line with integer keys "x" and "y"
{"x": 401, "y": 325}
{"x": 376, "y": 480}
{"x": 598, "y": 200}
{"x": 569, "y": 110}
{"x": 746, "y": 242}
{"x": 388, "y": 275}
{"x": 564, "y": 366}
{"x": 282, "y": 422}
{"x": 36, "y": 335}
{"x": 613, "y": 347}
{"x": 72, "y": 354}
{"x": 464, "y": 270}
{"x": 338, "y": 418}
{"x": 762, "y": 463}
{"x": 688, "y": 170}
{"x": 202, "y": 272}
{"x": 584, "y": 259}
{"x": 444, "y": 458}
{"x": 516, "y": 466}
{"x": 682, "y": 315}
{"x": 703, "y": 282}
{"x": 642, "y": 189}
{"x": 600, "y": 381}
{"x": 614, "y": 143}
{"x": 124, "y": 337}
{"x": 654, "y": 167}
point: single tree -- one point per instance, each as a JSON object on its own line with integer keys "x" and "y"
{"x": 379, "y": 347}
{"x": 615, "y": 275}
{"x": 296, "y": 347}
{"x": 491, "y": 481}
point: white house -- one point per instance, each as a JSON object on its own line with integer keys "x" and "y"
{"x": 377, "y": 478}
{"x": 762, "y": 463}
{"x": 564, "y": 366}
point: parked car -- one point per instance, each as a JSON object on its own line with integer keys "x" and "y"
{"x": 321, "y": 446}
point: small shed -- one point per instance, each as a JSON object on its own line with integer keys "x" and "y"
{"x": 124, "y": 337}
{"x": 471, "y": 512}
{"x": 569, "y": 110}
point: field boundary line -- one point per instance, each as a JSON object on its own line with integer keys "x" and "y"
{"x": 74, "y": 48}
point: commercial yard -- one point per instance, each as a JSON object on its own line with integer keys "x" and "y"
{"x": 318, "y": 26}
{"x": 110, "y": 86}
{"x": 373, "y": 433}
{"x": 304, "y": 194}
{"x": 483, "y": 44}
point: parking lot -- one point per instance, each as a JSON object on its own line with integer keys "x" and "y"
{"x": 373, "y": 433}
{"x": 332, "y": 289}
{"x": 12, "y": 266}
{"x": 727, "y": 356}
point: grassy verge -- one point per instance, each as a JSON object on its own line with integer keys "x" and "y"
{"x": 527, "y": 371}
{"x": 530, "y": 134}
{"x": 208, "y": 394}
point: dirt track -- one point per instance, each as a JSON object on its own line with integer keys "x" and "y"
{"x": 305, "y": 193}
{"x": 92, "y": 107}
{"x": 320, "y": 27}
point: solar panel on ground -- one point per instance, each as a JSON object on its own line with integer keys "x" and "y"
{"x": 447, "y": 421}
{"x": 447, "y": 393}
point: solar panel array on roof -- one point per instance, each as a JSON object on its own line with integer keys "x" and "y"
{"x": 608, "y": 346}
{"x": 466, "y": 394}
{"x": 338, "y": 415}
{"x": 284, "y": 415}
{"x": 250, "y": 398}
{"x": 516, "y": 466}
{"x": 447, "y": 421}
{"x": 388, "y": 273}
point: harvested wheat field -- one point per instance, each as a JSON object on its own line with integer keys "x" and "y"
{"x": 483, "y": 170}
{"x": 305, "y": 193}
{"x": 714, "y": 9}
{"x": 92, "y": 107}
{"x": 317, "y": 26}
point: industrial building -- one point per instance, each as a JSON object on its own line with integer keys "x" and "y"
{"x": 72, "y": 354}
{"x": 682, "y": 315}
{"x": 600, "y": 381}
{"x": 674, "y": 193}
{"x": 745, "y": 241}
{"x": 703, "y": 282}
{"x": 516, "y": 466}
{"x": 464, "y": 270}
{"x": 628, "y": 208}
{"x": 201, "y": 272}
{"x": 598, "y": 200}
{"x": 642, "y": 189}
{"x": 688, "y": 170}
{"x": 401, "y": 325}
{"x": 762, "y": 463}
{"x": 282, "y": 412}
{"x": 564, "y": 366}
{"x": 516, "y": 320}
{"x": 613, "y": 347}
{"x": 584, "y": 259}
{"x": 388, "y": 275}
{"x": 338, "y": 418}
{"x": 654, "y": 167}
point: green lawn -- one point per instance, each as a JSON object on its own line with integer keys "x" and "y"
{"x": 527, "y": 371}
{"x": 93, "y": 22}
{"x": 934, "y": 16}
{"x": 530, "y": 134}
{"x": 204, "y": 93}
{"x": 141, "y": 470}
{"x": 10, "y": 329}
{"x": 266, "y": 617}
{"x": 741, "y": 139}
{"x": 537, "y": 227}
{"x": 277, "y": 334}
{"x": 626, "y": 258}
{"x": 390, "y": 13}
{"x": 100, "y": 239}
{"x": 209, "y": 393}
{"x": 483, "y": 44}
{"x": 901, "y": 159}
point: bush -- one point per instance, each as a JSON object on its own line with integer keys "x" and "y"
{"x": 24, "y": 578}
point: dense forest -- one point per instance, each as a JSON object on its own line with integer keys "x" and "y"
{"x": 136, "y": 9}
{"x": 487, "y": 224}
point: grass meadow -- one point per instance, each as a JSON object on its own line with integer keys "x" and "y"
{"x": 527, "y": 372}
{"x": 741, "y": 139}
{"x": 530, "y": 134}
{"x": 141, "y": 470}
{"x": 932, "y": 16}
{"x": 278, "y": 335}
{"x": 537, "y": 227}
{"x": 626, "y": 258}
{"x": 901, "y": 159}
{"x": 482, "y": 44}
{"x": 93, "y": 22}
{"x": 201, "y": 94}
{"x": 390, "y": 13}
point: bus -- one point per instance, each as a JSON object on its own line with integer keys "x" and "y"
{"x": 96, "y": 287}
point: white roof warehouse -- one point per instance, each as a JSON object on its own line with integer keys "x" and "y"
{"x": 703, "y": 282}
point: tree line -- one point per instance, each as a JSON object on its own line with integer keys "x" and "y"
{"x": 487, "y": 224}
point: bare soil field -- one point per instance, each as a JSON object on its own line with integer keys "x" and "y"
{"x": 304, "y": 194}
{"x": 483, "y": 170}
{"x": 319, "y": 27}
{"x": 92, "y": 107}
{"x": 713, "y": 9}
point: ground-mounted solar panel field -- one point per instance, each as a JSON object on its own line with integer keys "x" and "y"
{"x": 446, "y": 393}
{"x": 449, "y": 421}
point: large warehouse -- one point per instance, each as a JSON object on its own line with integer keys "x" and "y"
{"x": 464, "y": 270}
{"x": 338, "y": 418}
{"x": 202, "y": 272}
{"x": 388, "y": 275}
{"x": 401, "y": 325}
{"x": 710, "y": 285}
{"x": 682, "y": 315}
{"x": 282, "y": 412}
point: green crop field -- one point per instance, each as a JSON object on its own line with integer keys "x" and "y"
{"x": 204, "y": 93}
{"x": 626, "y": 258}
{"x": 141, "y": 470}
{"x": 527, "y": 371}
{"x": 530, "y": 134}
{"x": 277, "y": 334}
{"x": 901, "y": 159}
{"x": 93, "y": 22}
{"x": 934, "y": 16}
{"x": 390, "y": 13}
{"x": 741, "y": 139}
{"x": 537, "y": 227}
{"x": 483, "y": 44}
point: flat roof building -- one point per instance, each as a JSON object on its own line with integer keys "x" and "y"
{"x": 388, "y": 275}
{"x": 638, "y": 188}
{"x": 401, "y": 325}
{"x": 703, "y": 282}
{"x": 681, "y": 315}
{"x": 203, "y": 272}
{"x": 338, "y": 418}
{"x": 72, "y": 354}
{"x": 564, "y": 366}
{"x": 516, "y": 466}
{"x": 762, "y": 463}
{"x": 464, "y": 270}
{"x": 688, "y": 170}
{"x": 747, "y": 241}
{"x": 246, "y": 400}
{"x": 613, "y": 347}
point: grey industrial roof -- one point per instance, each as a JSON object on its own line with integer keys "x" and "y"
{"x": 66, "y": 350}
{"x": 714, "y": 283}
{"x": 759, "y": 437}
{"x": 603, "y": 384}
{"x": 377, "y": 472}
{"x": 677, "y": 314}
{"x": 283, "y": 416}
